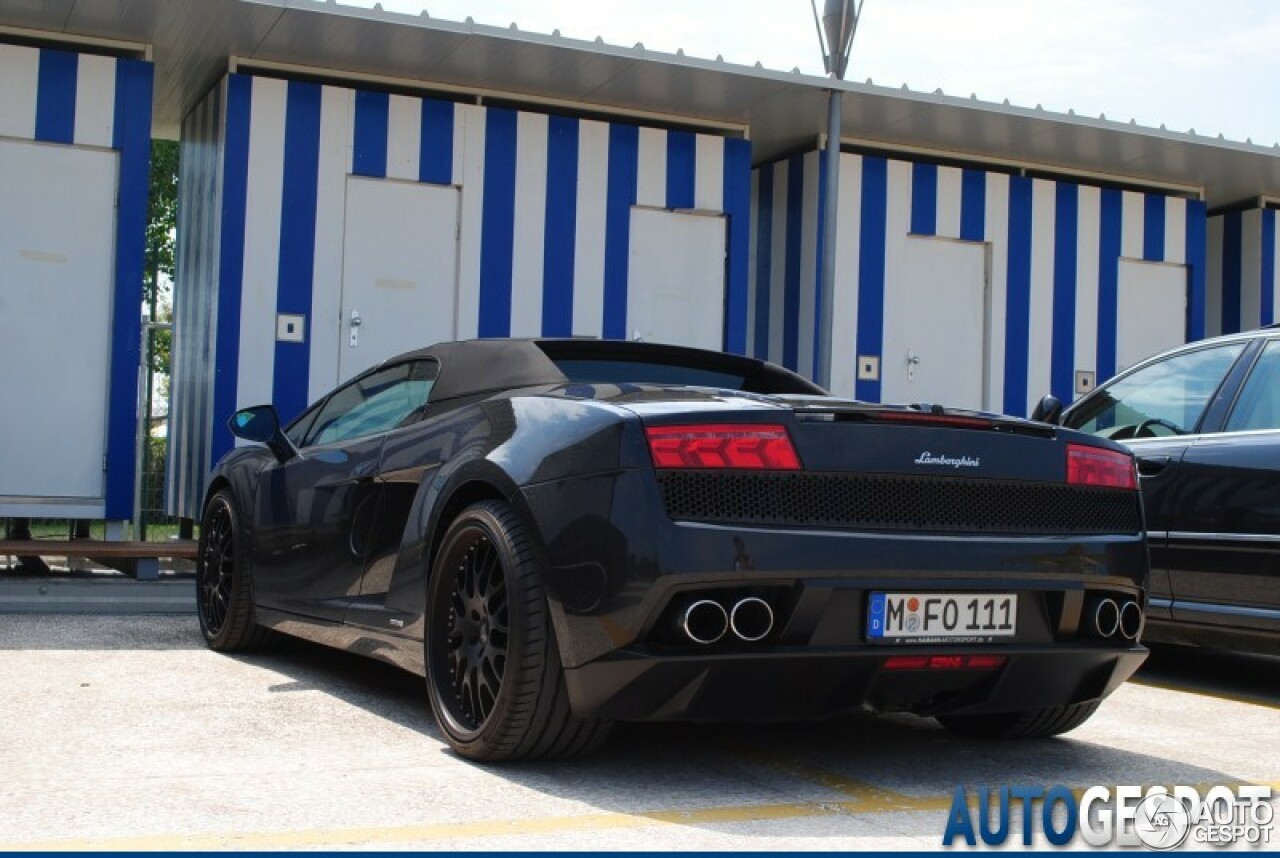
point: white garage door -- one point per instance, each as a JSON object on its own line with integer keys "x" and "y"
{"x": 57, "y": 252}
{"x": 399, "y": 270}
{"x": 935, "y": 325}
{"x": 1151, "y": 310}
{"x": 675, "y": 278}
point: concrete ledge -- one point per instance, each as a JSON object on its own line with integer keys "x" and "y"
{"x": 103, "y": 596}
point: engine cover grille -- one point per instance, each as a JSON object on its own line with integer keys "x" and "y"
{"x": 898, "y": 502}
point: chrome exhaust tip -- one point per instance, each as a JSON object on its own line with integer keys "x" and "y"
{"x": 1106, "y": 618}
{"x": 704, "y": 621}
{"x": 751, "y": 619}
{"x": 1130, "y": 620}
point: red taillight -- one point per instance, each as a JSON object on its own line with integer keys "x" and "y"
{"x": 1093, "y": 466}
{"x": 923, "y": 417}
{"x": 722, "y": 445}
{"x": 944, "y": 662}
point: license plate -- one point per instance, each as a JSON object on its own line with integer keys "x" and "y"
{"x": 925, "y": 617}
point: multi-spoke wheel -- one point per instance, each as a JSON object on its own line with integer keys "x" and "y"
{"x": 224, "y": 591}
{"x": 493, "y": 670}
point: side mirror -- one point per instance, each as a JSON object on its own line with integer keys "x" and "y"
{"x": 1048, "y": 410}
{"x": 261, "y": 425}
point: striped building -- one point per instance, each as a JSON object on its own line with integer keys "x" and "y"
{"x": 468, "y": 221}
{"x": 971, "y": 286}
{"x": 1244, "y": 274}
{"x": 75, "y": 145}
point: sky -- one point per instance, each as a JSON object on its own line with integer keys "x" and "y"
{"x": 1211, "y": 66}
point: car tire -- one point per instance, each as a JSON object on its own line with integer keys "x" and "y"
{"x": 224, "y": 580}
{"x": 494, "y": 677}
{"x": 1027, "y": 724}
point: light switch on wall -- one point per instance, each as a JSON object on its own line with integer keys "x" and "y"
{"x": 291, "y": 328}
{"x": 868, "y": 367}
{"x": 1084, "y": 381}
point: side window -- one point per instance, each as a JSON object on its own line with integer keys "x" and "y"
{"x": 375, "y": 403}
{"x": 1258, "y": 406}
{"x": 298, "y": 430}
{"x": 1164, "y": 398}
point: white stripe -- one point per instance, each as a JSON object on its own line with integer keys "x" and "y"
{"x": 1133, "y": 218}
{"x": 459, "y": 159}
{"x": 1040, "y": 333}
{"x": 996, "y": 232}
{"x": 778, "y": 270}
{"x": 1175, "y": 230}
{"x": 19, "y": 80}
{"x": 1215, "y": 236}
{"x": 1088, "y": 240}
{"x": 95, "y": 100}
{"x": 589, "y": 229}
{"x": 261, "y": 242}
{"x": 404, "y": 137}
{"x": 897, "y": 235}
{"x": 708, "y": 173}
{"x": 949, "y": 189}
{"x": 337, "y": 108}
{"x": 808, "y": 264}
{"x": 530, "y": 224}
{"x": 844, "y": 300}
{"x": 1251, "y": 270}
{"x": 651, "y": 168}
{"x": 469, "y": 120}
{"x": 753, "y": 250}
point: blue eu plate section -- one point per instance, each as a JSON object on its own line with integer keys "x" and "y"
{"x": 875, "y": 616}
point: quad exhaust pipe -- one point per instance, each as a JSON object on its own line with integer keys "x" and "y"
{"x": 1107, "y": 618}
{"x": 706, "y": 620}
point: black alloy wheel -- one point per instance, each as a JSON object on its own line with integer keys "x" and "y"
{"x": 493, "y": 669}
{"x": 224, "y": 588}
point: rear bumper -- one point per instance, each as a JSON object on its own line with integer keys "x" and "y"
{"x": 790, "y": 684}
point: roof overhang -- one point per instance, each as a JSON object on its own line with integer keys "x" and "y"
{"x": 193, "y": 42}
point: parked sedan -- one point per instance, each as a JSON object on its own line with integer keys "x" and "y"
{"x": 1204, "y": 422}
{"x": 560, "y": 534}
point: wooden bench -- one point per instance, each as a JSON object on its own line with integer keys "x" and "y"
{"x": 139, "y": 559}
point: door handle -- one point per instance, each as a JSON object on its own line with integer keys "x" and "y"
{"x": 1150, "y": 466}
{"x": 355, "y": 322}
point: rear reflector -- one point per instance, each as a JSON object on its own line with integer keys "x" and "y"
{"x": 944, "y": 662}
{"x": 1092, "y": 466}
{"x": 720, "y": 445}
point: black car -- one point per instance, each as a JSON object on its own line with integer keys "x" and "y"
{"x": 1204, "y": 422}
{"x": 560, "y": 534}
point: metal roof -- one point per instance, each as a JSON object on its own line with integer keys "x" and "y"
{"x": 783, "y": 112}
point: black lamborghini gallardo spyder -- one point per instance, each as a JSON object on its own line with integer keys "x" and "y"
{"x": 560, "y": 534}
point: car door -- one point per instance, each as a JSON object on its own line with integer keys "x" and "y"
{"x": 1158, "y": 409}
{"x": 315, "y": 512}
{"x": 1224, "y": 557}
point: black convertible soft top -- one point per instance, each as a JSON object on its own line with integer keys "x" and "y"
{"x": 473, "y": 367}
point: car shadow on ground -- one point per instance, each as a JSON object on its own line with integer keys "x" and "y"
{"x": 1249, "y": 677}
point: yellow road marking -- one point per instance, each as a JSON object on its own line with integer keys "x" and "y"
{"x": 1201, "y": 692}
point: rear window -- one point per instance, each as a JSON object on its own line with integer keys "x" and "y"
{"x": 645, "y": 372}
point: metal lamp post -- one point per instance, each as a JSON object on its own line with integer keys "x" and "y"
{"x": 836, "y": 28}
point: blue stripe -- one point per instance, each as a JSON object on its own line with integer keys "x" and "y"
{"x": 924, "y": 199}
{"x": 435, "y": 149}
{"x": 791, "y": 278}
{"x": 871, "y": 264}
{"x": 764, "y": 259}
{"x": 498, "y": 228}
{"x": 56, "y": 96}
{"x": 1153, "y": 228}
{"x": 1110, "y": 234}
{"x": 297, "y": 244}
{"x": 973, "y": 205}
{"x": 737, "y": 205}
{"x": 1268, "y": 310}
{"x": 681, "y": 154}
{"x": 235, "y": 188}
{"x": 561, "y": 226}
{"x": 369, "y": 157}
{"x": 1066, "y": 221}
{"x": 817, "y": 269}
{"x": 624, "y": 151}
{"x": 1232, "y": 270}
{"x": 1018, "y": 298}
{"x": 132, "y": 138}
{"x": 1197, "y": 249}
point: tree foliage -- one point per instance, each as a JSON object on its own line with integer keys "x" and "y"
{"x": 162, "y": 224}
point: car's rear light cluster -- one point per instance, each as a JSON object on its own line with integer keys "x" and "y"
{"x": 944, "y": 662}
{"x": 1093, "y": 466}
{"x": 746, "y": 446}
{"x": 955, "y": 421}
